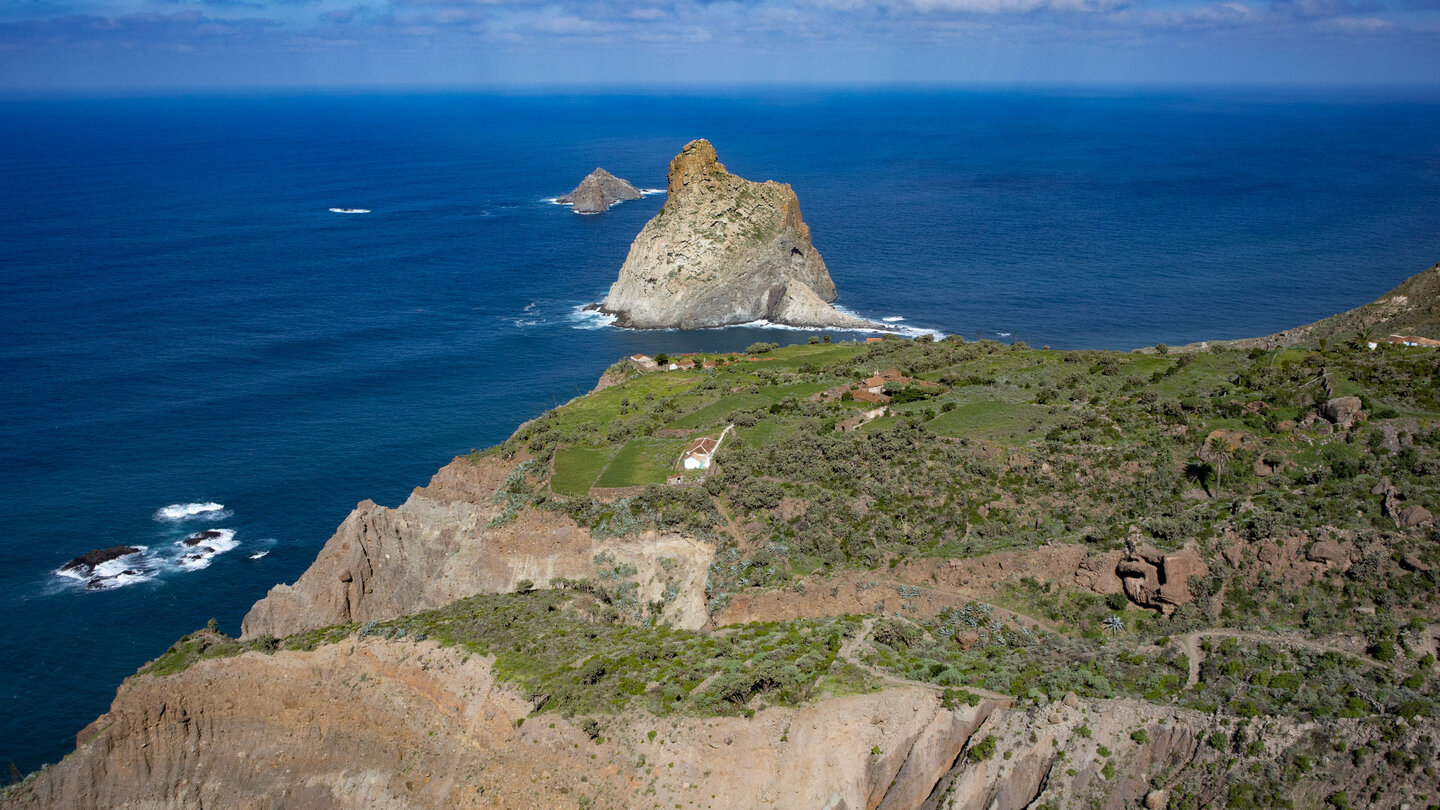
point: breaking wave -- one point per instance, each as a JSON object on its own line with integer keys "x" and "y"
{"x": 186, "y": 511}
{"x": 200, "y": 548}
{"x": 582, "y": 318}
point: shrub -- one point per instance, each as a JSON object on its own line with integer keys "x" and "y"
{"x": 983, "y": 750}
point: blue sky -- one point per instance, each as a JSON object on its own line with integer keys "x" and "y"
{"x": 306, "y": 43}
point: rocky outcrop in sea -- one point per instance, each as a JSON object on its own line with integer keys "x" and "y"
{"x": 597, "y": 192}
{"x": 724, "y": 250}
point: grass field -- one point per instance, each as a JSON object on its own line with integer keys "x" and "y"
{"x": 642, "y": 461}
{"x": 996, "y": 421}
{"x": 576, "y": 469}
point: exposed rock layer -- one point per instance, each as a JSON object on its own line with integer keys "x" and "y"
{"x": 724, "y": 250}
{"x": 440, "y": 545}
{"x": 598, "y": 191}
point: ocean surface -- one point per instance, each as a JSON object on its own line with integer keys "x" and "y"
{"x": 184, "y": 323}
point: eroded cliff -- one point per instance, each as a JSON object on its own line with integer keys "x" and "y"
{"x": 459, "y": 536}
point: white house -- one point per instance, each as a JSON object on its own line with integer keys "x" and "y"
{"x": 699, "y": 455}
{"x": 701, "y": 452}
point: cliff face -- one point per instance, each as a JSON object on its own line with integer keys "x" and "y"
{"x": 598, "y": 191}
{"x": 386, "y": 724}
{"x": 449, "y": 540}
{"x": 724, "y": 250}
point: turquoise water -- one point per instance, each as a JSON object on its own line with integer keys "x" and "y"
{"x": 183, "y": 321}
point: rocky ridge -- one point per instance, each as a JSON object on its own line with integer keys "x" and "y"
{"x": 597, "y": 192}
{"x": 724, "y": 250}
{"x": 1411, "y": 308}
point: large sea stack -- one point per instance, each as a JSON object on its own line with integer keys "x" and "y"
{"x": 598, "y": 191}
{"x": 724, "y": 250}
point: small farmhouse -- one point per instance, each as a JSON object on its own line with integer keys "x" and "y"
{"x": 1407, "y": 340}
{"x": 699, "y": 454}
{"x": 644, "y": 362}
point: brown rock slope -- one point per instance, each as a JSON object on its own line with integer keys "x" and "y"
{"x": 724, "y": 250}
{"x": 1412, "y": 308}
{"x": 454, "y": 538}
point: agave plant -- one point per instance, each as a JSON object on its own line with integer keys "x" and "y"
{"x": 1114, "y": 623}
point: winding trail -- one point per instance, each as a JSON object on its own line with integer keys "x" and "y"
{"x": 850, "y": 652}
{"x": 1190, "y": 645}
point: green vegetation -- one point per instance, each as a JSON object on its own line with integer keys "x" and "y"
{"x": 569, "y": 654}
{"x": 1252, "y": 680}
{"x": 576, "y": 469}
{"x": 995, "y": 448}
{"x": 201, "y": 645}
{"x": 970, "y": 647}
{"x": 1017, "y": 448}
{"x": 642, "y": 461}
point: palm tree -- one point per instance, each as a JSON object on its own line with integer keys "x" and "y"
{"x": 1223, "y": 452}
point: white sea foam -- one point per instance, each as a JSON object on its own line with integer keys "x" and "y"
{"x": 650, "y": 191}
{"x": 893, "y": 318}
{"x": 208, "y": 510}
{"x": 582, "y": 318}
{"x": 1003, "y": 334}
{"x": 197, "y": 550}
{"x": 257, "y": 555}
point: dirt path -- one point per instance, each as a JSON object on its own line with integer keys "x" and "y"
{"x": 729, "y": 522}
{"x": 850, "y": 652}
{"x": 1190, "y": 645}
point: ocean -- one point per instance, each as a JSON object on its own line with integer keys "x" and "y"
{"x": 184, "y": 323}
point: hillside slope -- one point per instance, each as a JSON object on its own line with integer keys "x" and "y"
{"x": 917, "y": 574}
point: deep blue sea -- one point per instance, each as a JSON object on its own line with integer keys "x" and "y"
{"x": 182, "y": 320}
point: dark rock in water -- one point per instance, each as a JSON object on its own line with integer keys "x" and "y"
{"x": 86, "y": 562}
{"x": 598, "y": 191}
{"x": 200, "y": 537}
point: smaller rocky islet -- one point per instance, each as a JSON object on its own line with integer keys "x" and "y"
{"x": 598, "y": 191}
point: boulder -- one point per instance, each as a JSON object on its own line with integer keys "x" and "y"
{"x": 1328, "y": 552}
{"x": 597, "y": 192}
{"x": 1412, "y": 562}
{"x": 1412, "y": 517}
{"x": 1160, "y": 581}
{"x": 1398, "y": 433}
{"x": 1343, "y": 412}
